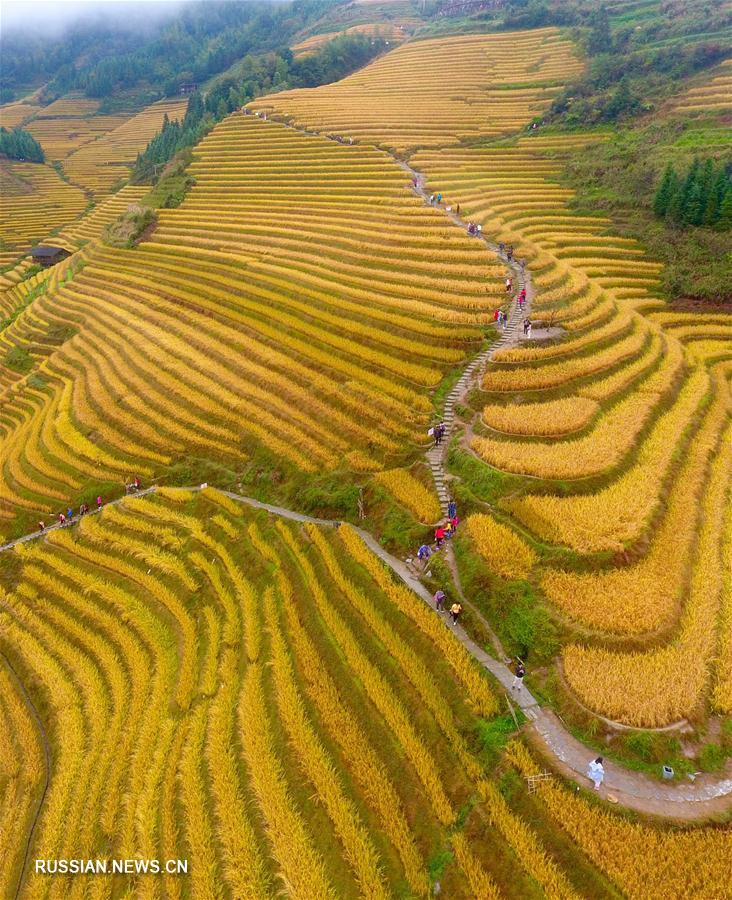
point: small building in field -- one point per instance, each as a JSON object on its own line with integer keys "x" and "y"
{"x": 188, "y": 87}
{"x": 48, "y": 256}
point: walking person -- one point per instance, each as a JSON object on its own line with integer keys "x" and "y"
{"x": 99, "y": 502}
{"x": 518, "y": 678}
{"x": 432, "y": 199}
{"x": 509, "y": 284}
{"x": 61, "y": 519}
{"x": 439, "y": 199}
{"x": 457, "y": 210}
{"x": 436, "y": 434}
{"x": 455, "y": 611}
{"x": 439, "y": 537}
{"x": 528, "y": 328}
{"x": 424, "y": 553}
{"x": 452, "y": 509}
{"x": 439, "y": 599}
{"x": 596, "y": 772}
{"x": 41, "y": 526}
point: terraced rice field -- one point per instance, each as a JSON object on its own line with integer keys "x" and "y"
{"x": 100, "y": 164}
{"x": 190, "y": 687}
{"x": 61, "y": 134}
{"x": 434, "y": 92}
{"x": 392, "y": 33}
{"x": 713, "y": 92}
{"x": 695, "y": 861}
{"x": 301, "y": 302}
{"x": 609, "y": 409}
{"x": 614, "y": 400}
{"x": 14, "y": 114}
{"x": 90, "y": 227}
{"x": 33, "y": 201}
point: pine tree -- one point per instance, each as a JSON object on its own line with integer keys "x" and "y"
{"x": 724, "y": 222}
{"x": 665, "y": 190}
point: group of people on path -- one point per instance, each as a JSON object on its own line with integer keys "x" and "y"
{"x": 475, "y": 230}
{"x": 437, "y": 432}
{"x": 455, "y": 610}
{"x": 68, "y": 517}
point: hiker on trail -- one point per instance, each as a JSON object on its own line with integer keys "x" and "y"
{"x": 509, "y": 253}
{"x": 414, "y": 183}
{"x": 448, "y": 530}
{"x": 471, "y": 228}
{"x": 439, "y": 599}
{"x": 70, "y": 514}
{"x": 518, "y": 678}
{"x": 137, "y": 483}
{"x": 436, "y": 434}
{"x": 424, "y": 553}
{"x": 526, "y": 326}
{"x": 457, "y": 210}
{"x": 509, "y": 284}
{"x": 528, "y": 329}
{"x": 83, "y": 509}
{"x": 41, "y": 526}
{"x": 439, "y": 199}
{"x": 452, "y": 509}
{"x": 61, "y": 519}
{"x": 479, "y": 230}
{"x": 501, "y": 248}
{"x": 99, "y": 502}
{"x": 497, "y": 315}
{"x": 455, "y": 611}
{"x": 454, "y": 522}
{"x": 432, "y": 199}
{"x": 504, "y": 320}
{"x": 439, "y": 537}
{"x": 596, "y": 772}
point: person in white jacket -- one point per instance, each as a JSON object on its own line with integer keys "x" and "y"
{"x": 596, "y": 772}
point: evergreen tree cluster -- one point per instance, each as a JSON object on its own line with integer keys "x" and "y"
{"x": 701, "y": 198}
{"x": 20, "y": 144}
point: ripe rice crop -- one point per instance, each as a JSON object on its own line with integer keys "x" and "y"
{"x": 663, "y": 685}
{"x": 504, "y": 551}
{"x": 450, "y": 88}
{"x": 33, "y": 201}
{"x": 394, "y": 34}
{"x": 411, "y": 493}
{"x": 645, "y": 862}
{"x": 553, "y": 417}
{"x": 242, "y": 335}
{"x": 100, "y": 164}
{"x": 169, "y": 739}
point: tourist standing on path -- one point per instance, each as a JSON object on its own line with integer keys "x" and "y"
{"x": 439, "y": 599}
{"x": 528, "y": 328}
{"x": 61, "y": 519}
{"x": 452, "y": 509}
{"x": 457, "y": 210}
{"x": 99, "y": 502}
{"x": 439, "y": 537}
{"x": 518, "y": 678}
{"x": 41, "y": 526}
{"x": 509, "y": 284}
{"x": 596, "y": 772}
{"x": 455, "y": 611}
{"x": 439, "y": 199}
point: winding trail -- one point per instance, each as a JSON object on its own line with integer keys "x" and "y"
{"x": 705, "y": 798}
